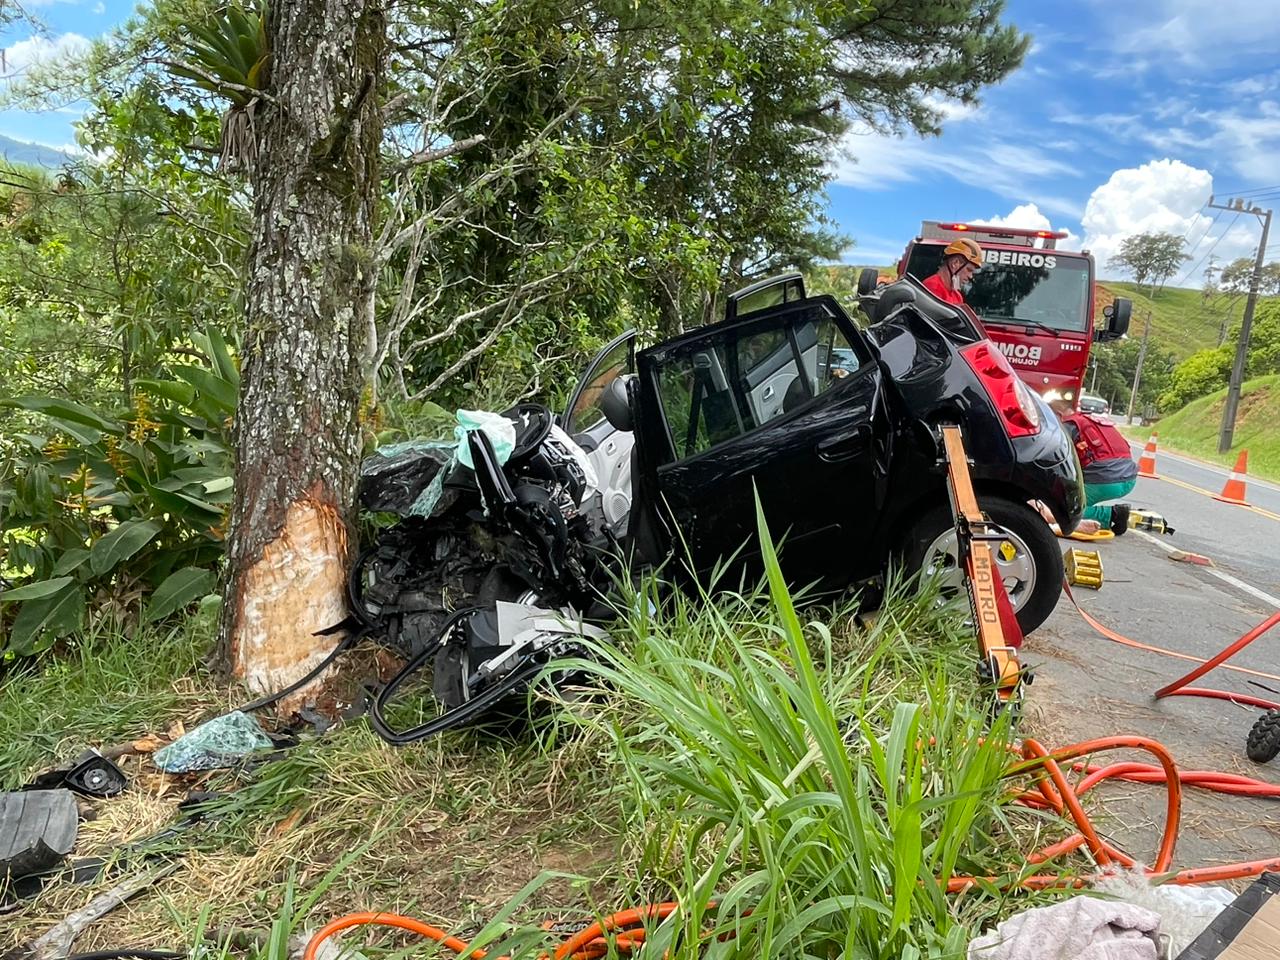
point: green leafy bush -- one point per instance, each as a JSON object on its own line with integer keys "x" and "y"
{"x": 124, "y": 513}
{"x": 1201, "y": 373}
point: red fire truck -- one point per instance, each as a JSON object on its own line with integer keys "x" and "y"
{"x": 1035, "y": 300}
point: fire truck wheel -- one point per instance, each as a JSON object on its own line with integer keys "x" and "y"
{"x": 1028, "y": 560}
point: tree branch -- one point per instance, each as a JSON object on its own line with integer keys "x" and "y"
{"x": 431, "y": 156}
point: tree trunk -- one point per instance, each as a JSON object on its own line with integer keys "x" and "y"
{"x": 310, "y": 288}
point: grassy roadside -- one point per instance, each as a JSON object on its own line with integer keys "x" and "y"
{"x": 811, "y": 774}
{"x": 1193, "y": 430}
{"x": 1181, "y": 321}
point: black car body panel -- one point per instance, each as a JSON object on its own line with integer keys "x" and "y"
{"x": 834, "y": 428}
{"x": 839, "y": 465}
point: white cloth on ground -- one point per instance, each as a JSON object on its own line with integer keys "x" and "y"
{"x": 1082, "y": 928}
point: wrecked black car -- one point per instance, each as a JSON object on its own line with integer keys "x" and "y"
{"x": 661, "y": 452}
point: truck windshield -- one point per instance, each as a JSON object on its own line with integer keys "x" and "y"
{"x": 1036, "y": 286}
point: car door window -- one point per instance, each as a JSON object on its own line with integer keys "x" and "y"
{"x": 719, "y": 388}
{"x": 698, "y": 401}
{"x": 586, "y": 412}
{"x": 832, "y": 358}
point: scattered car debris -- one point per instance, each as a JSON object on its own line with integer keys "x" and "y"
{"x": 90, "y": 775}
{"x": 221, "y": 742}
{"x": 37, "y": 831}
{"x": 484, "y": 663}
{"x": 1186, "y": 556}
{"x": 56, "y": 943}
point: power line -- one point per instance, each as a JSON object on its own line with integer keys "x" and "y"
{"x": 1235, "y": 385}
{"x": 1209, "y": 229}
{"x": 1253, "y": 192}
{"x": 1209, "y": 252}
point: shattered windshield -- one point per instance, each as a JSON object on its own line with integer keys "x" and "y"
{"x": 1032, "y": 286}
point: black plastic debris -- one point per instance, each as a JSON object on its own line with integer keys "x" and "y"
{"x": 394, "y": 478}
{"x": 91, "y": 775}
{"x": 37, "y": 830}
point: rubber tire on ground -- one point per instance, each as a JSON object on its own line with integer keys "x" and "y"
{"x": 1264, "y": 738}
{"x": 1018, "y": 518}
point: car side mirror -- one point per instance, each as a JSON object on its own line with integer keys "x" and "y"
{"x": 1117, "y": 315}
{"x": 868, "y": 277}
{"x": 616, "y": 405}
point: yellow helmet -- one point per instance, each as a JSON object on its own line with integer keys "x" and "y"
{"x": 966, "y": 248}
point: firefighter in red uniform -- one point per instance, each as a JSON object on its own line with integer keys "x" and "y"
{"x": 961, "y": 259}
{"x": 1109, "y": 470}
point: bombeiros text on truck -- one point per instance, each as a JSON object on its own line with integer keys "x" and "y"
{"x": 1035, "y": 301}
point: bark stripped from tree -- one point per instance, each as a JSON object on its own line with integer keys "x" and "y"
{"x": 309, "y": 297}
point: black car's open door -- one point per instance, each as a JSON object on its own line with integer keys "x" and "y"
{"x": 770, "y": 402}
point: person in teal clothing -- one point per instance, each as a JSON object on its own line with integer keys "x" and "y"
{"x": 1109, "y": 470}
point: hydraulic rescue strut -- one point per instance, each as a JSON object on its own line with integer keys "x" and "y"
{"x": 977, "y": 539}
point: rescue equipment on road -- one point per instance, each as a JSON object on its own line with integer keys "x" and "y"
{"x": 1084, "y": 567}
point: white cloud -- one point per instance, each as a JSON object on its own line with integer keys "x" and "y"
{"x": 99, "y": 7}
{"x": 1027, "y": 216}
{"x": 1185, "y": 33}
{"x": 872, "y": 161}
{"x": 1250, "y": 141}
{"x": 37, "y": 49}
{"x": 1166, "y": 196}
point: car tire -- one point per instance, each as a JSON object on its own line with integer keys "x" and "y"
{"x": 1264, "y": 739}
{"x": 1034, "y": 574}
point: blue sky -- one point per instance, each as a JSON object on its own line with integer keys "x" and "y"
{"x": 1125, "y": 116}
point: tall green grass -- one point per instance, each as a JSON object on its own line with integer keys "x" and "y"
{"x": 1194, "y": 428}
{"x": 108, "y": 683}
{"x": 799, "y": 791}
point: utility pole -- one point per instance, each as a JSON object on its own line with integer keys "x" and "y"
{"x": 1242, "y": 345}
{"x": 1142, "y": 358}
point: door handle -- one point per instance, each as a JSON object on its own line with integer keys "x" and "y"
{"x": 767, "y": 393}
{"x": 844, "y": 445}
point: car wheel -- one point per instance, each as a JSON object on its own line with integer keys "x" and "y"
{"x": 1264, "y": 738}
{"x": 1029, "y": 562}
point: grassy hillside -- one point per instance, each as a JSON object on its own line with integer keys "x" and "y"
{"x": 1181, "y": 321}
{"x": 1194, "y": 428}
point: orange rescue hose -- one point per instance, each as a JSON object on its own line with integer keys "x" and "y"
{"x": 1055, "y": 793}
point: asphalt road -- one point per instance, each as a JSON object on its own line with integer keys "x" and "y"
{"x": 1088, "y": 686}
{"x": 1242, "y": 543}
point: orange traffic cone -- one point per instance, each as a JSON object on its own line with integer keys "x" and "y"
{"x": 1233, "y": 489}
{"x": 1147, "y": 462}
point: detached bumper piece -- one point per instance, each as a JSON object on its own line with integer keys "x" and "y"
{"x": 37, "y": 830}
{"x": 485, "y": 664}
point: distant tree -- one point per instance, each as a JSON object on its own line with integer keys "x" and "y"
{"x": 1151, "y": 259}
{"x": 1207, "y": 370}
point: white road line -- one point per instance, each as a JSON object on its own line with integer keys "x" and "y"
{"x": 1214, "y": 571}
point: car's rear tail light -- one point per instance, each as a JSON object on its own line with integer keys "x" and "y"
{"x": 1012, "y": 397}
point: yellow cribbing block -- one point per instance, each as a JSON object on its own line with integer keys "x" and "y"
{"x": 1084, "y": 567}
